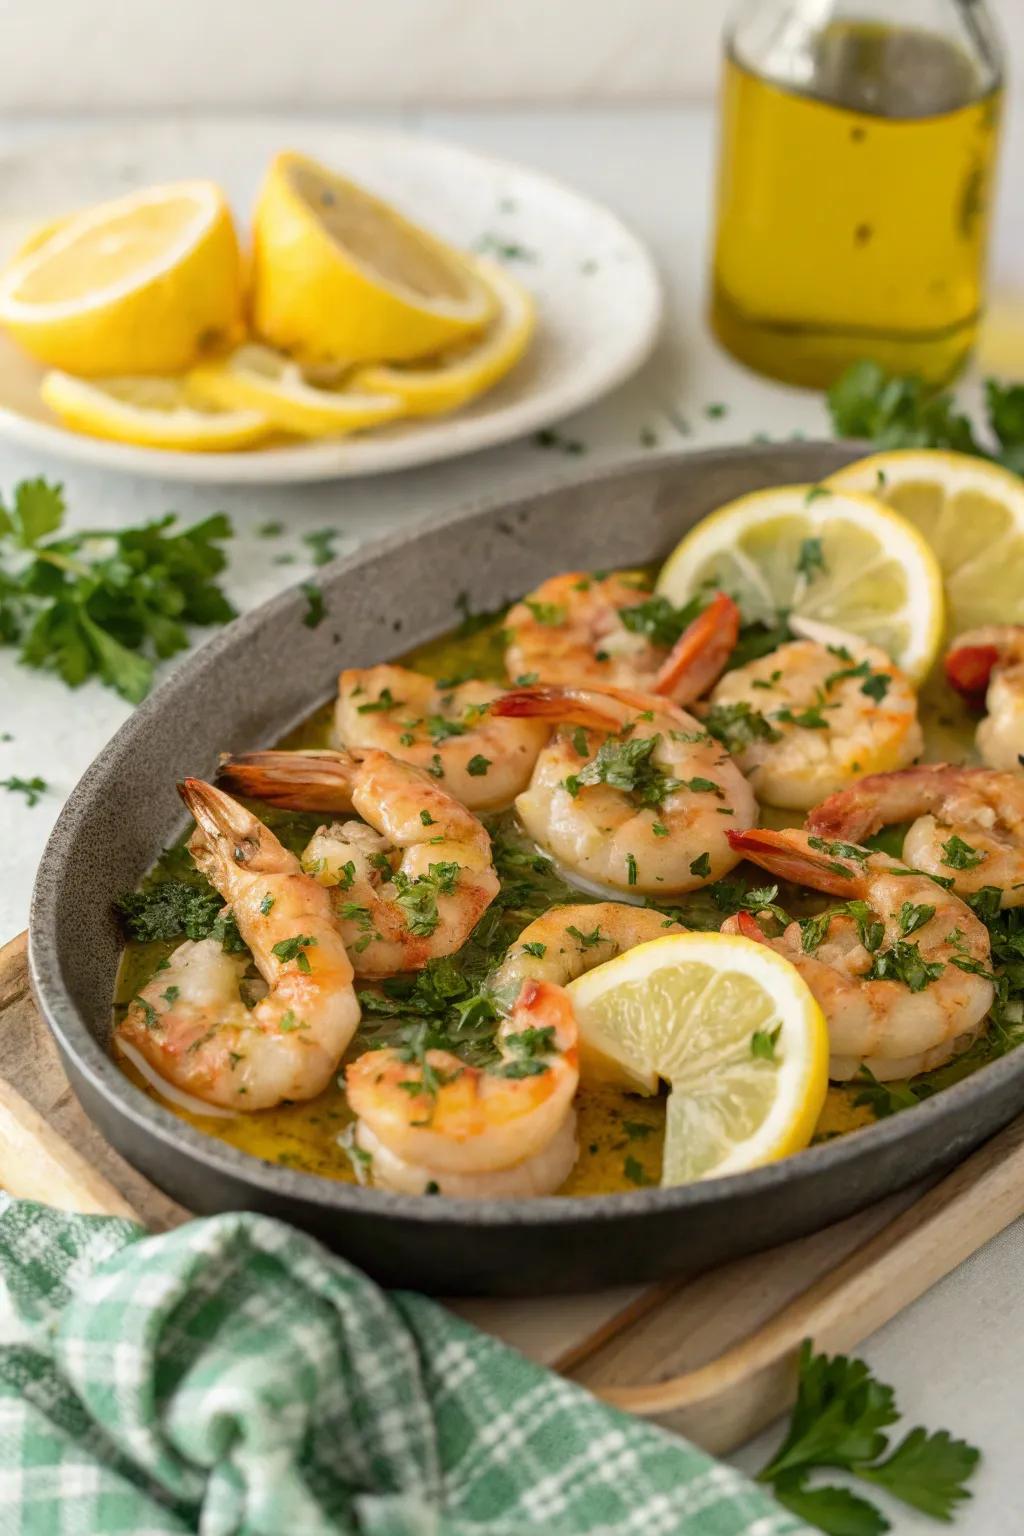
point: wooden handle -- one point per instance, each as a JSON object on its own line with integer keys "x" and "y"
{"x": 36, "y": 1163}
{"x": 725, "y": 1402}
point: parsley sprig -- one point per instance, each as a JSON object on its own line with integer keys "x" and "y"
{"x": 903, "y": 412}
{"x": 104, "y": 604}
{"x": 839, "y": 1421}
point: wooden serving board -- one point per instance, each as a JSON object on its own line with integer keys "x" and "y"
{"x": 714, "y": 1357}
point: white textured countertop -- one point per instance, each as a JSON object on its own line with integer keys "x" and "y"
{"x": 957, "y": 1356}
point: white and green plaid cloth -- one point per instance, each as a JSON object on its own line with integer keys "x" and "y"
{"x": 234, "y": 1377}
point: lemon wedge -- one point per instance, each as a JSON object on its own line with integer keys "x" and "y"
{"x": 339, "y": 276}
{"x": 139, "y": 285}
{"x": 152, "y": 412}
{"x": 257, "y": 378}
{"x": 971, "y": 513}
{"x": 734, "y": 1031}
{"x": 822, "y": 553}
{"x": 466, "y": 370}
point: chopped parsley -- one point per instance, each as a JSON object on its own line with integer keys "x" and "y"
{"x": 659, "y": 620}
{"x": 535, "y": 948}
{"x": 701, "y": 866}
{"x": 30, "y": 788}
{"x": 316, "y": 610}
{"x": 295, "y": 948}
{"x": 635, "y": 1172}
{"x": 478, "y": 765}
{"x": 903, "y": 962}
{"x": 548, "y": 614}
{"x": 809, "y": 719}
{"x": 956, "y": 854}
{"x": 738, "y": 726}
{"x": 629, "y": 766}
{"x": 381, "y": 705}
{"x": 631, "y": 870}
{"x": 811, "y": 558}
{"x": 168, "y": 909}
{"x": 762, "y": 1043}
{"x": 585, "y": 940}
{"x": 418, "y": 898}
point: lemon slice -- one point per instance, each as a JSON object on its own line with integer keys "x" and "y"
{"x": 730, "y": 1026}
{"x": 154, "y": 413}
{"x": 338, "y": 275}
{"x": 971, "y": 513}
{"x": 257, "y": 378}
{"x": 461, "y": 373}
{"x": 822, "y": 553}
{"x": 140, "y": 285}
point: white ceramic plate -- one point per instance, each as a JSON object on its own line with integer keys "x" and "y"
{"x": 598, "y": 296}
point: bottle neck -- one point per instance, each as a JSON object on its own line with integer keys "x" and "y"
{"x": 936, "y": 56}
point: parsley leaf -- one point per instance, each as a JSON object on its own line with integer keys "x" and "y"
{"x": 960, "y": 855}
{"x": 811, "y": 559}
{"x": 31, "y": 788}
{"x": 316, "y": 610}
{"x": 629, "y": 766}
{"x": 903, "y": 961}
{"x": 418, "y": 898}
{"x": 169, "y": 908}
{"x": 839, "y": 1420}
{"x": 659, "y": 620}
{"x": 738, "y": 725}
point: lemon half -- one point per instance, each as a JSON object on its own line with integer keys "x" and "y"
{"x": 730, "y": 1026}
{"x": 257, "y": 378}
{"x": 139, "y": 285}
{"x": 340, "y": 276}
{"x": 822, "y": 553}
{"x": 970, "y": 512}
{"x": 154, "y": 413}
{"x": 465, "y": 371}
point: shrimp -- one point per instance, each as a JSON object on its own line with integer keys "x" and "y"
{"x": 569, "y": 940}
{"x": 433, "y": 1122}
{"x": 901, "y": 969}
{"x": 636, "y": 799}
{"x": 448, "y": 731}
{"x": 987, "y": 667}
{"x": 411, "y": 880}
{"x": 612, "y": 631}
{"x": 809, "y": 717}
{"x": 968, "y": 823}
{"x": 190, "y": 1023}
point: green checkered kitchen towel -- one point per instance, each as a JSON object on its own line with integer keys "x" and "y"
{"x": 234, "y": 1377}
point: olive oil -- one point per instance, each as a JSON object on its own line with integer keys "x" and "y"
{"x": 853, "y": 212}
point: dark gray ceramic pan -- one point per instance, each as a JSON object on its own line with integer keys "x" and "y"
{"x": 261, "y": 676}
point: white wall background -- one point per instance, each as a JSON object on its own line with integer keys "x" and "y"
{"x": 66, "y": 56}
{"x": 111, "y": 55}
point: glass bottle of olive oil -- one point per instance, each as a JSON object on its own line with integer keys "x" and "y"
{"x": 858, "y": 143}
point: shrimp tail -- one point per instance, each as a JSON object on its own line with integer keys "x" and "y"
{"x": 570, "y": 706}
{"x": 300, "y": 781}
{"x": 748, "y": 926}
{"x": 226, "y": 833}
{"x": 544, "y": 1005}
{"x": 883, "y": 799}
{"x": 599, "y": 709}
{"x": 698, "y": 658}
{"x": 969, "y": 669}
{"x": 788, "y": 856}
